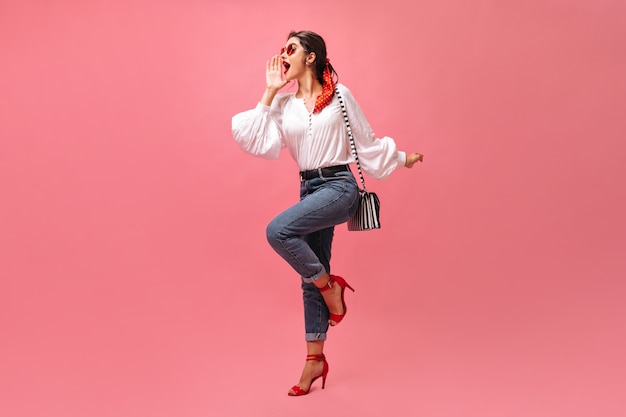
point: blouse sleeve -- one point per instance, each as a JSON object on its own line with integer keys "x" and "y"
{"x": 378, "y": 157}
{"x": 257, "y": 131}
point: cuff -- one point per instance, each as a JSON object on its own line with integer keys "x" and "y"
{"x": 262, "y": 108}
{"x": 402, "y": 158}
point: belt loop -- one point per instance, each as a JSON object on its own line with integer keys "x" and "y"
{"x": 319, "y": 173}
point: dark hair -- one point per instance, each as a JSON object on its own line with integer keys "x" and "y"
{"x": 312, "y": 42}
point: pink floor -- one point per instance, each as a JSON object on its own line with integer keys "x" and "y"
{"x": 135, "y": 279}
{"x": 422, "y": 344}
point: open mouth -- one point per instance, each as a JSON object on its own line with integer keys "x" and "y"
{"x": 286, "y": 65}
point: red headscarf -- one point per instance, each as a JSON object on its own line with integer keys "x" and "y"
{"x": 328, "y": 90}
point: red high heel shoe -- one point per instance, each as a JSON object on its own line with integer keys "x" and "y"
{"x": 297, "y": 391}
{"x": 334, "y": 279}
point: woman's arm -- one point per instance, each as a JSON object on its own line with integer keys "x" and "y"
{"x": 257, "y": 131}
{"x": 379, "y": 157}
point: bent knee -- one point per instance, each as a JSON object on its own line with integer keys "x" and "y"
{"x": 277, "y": 231}
{"x": 273, "y": 232}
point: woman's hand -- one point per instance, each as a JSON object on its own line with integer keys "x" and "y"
{"x": 413, "y": 158}
{"x": 274, "y": 80}
{"x": 274, "y": 75}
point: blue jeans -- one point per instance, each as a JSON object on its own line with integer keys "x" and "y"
{"x": 303, "y": 235}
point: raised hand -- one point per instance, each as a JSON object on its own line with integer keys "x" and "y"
{"x": 273, "y": 74}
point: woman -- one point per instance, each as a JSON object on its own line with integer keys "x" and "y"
{"x": 310, "y": 125}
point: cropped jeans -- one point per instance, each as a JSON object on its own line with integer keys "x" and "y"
{"x": 303, "y": 235}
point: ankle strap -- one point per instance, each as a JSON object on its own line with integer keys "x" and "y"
{"x": 319, "y": 357}
{"x": 329, "y": 284}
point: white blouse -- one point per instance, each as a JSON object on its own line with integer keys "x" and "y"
{"x": 315, "y": 140}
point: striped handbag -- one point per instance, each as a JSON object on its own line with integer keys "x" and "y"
{"x": 367, "y": 216}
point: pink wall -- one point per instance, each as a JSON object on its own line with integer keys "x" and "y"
{"x": 135, "y": 276}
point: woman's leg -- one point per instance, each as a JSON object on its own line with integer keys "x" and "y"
{"x": 315, "y": 310}
{"x": 303, "y": 236}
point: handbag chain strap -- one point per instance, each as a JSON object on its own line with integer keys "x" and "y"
{"x": 352, "y": 145}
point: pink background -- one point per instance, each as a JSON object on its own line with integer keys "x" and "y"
{"x": 135, "y": 275}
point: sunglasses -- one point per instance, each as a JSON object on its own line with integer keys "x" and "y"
{"x": 291, "y": 49}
